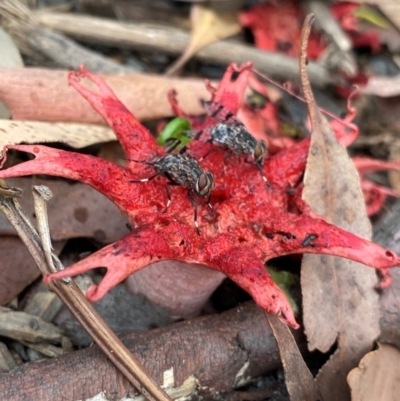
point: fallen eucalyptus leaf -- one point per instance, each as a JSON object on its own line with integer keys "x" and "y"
{"x": 208, "y": 26}
{"x": 339, "y": 300}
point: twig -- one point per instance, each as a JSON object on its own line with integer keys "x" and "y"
{"x": 156, "y": 37}
{"x": 75, "y": 301}
{"x": 339, "y": 54}
{"x": 32, "y": 39}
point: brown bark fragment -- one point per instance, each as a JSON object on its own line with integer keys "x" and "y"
{"x": 23, "y": 327}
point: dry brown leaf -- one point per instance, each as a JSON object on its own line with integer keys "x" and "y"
{"x": 208, "y": 26}
{"x": 44, "y": 95}
{"x": 377, "y": 378}
{"x": 77, "y": 210}
{"x": 75, "y": 135}
{"x": 299, "y": 381}
{"x": 339, "y": 300}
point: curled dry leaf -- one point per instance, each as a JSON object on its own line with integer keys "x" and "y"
{"x": 208, "y": 26}
{"x": 339, "y": 299}
{"x": 47, "y": 96}
{"x": 377, "y": 377}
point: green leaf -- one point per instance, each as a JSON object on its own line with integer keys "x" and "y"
{"x": 284, "y": 280}
{"x": 372, "y": 16}
{"x": 175, "y": 129}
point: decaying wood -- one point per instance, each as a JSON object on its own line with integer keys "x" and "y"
{"x": 44, "y": 304}
{"x": 48, "y": 97}
{"x": 24, "y": 327}
{"x": 45, "y": 349}
{"x": 214, "y": 349}
{"x": 6, "y": 359}
{"x": 157, "y": 37}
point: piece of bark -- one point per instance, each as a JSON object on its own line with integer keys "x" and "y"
{"x": 6, "y": 359}
{"x": 44, "y": 304}
{"x": 157, "y": 37}
{"x": 213, "y": 348}
{"x": 75, "y": 135}
{"x": 48, "y": 97}
{"x": 66, "y": 344}
{"x": 23, "y": 327}
{"x": 34, "y": 355}
{"x": 45, "y": 349}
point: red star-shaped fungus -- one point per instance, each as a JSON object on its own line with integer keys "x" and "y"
{"x": 253, "y": 223}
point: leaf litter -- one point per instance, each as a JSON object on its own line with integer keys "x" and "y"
{"x": 339, "y": 298}
{"x": 349, "y": 212}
